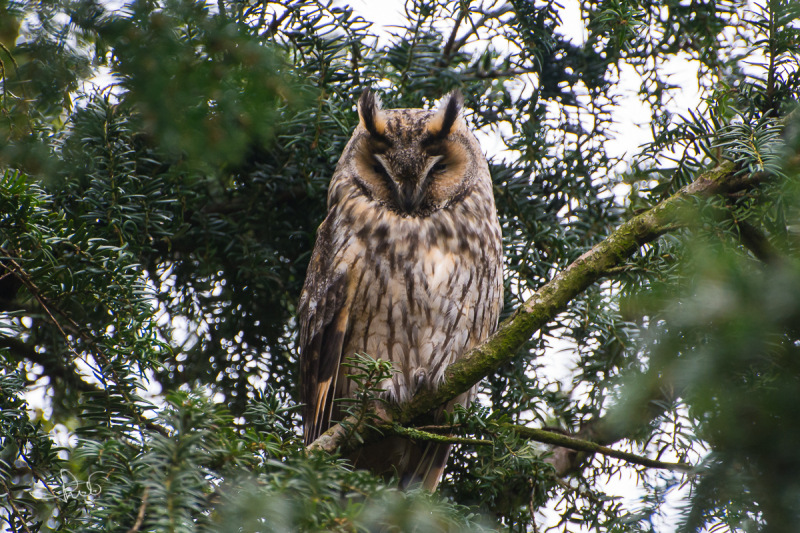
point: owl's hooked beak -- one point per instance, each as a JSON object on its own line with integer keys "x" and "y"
{"x": 410, "y": 195}
{"x": 411, "y": 192}
{"x": 406, "y": 186}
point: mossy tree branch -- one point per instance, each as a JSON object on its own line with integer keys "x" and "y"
{"x": 552, "y": 298}
{"x": 420, "y": 434}
{"x": 432, "y": 433}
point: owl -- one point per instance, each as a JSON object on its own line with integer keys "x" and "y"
{"x": 407, "y": 267}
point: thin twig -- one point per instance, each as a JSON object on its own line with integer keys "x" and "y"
{"x": 582, "y": 493}
{"x": 771, "y": 71}
{"x": 10, "y": 55}
{"x": 276, "y": 23}
{"x": 14, "y": 507}
{"x": 3, "y": 69}
{"x": 493, "y": 74}
{"x": 488, "y": 16}
{"x": 411, "y": 49}
{"x": 565, "y": 441}
{"x": 532, "y": 513}
{"x": 46, "y": 486}
{"x": 448, "y": 48}
{"x": 615, "y": 271}
{"x": 140, "y": 515}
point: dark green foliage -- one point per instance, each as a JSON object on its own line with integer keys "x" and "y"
{"x": 154, "y": 237}
{"x": 368, "y": 373}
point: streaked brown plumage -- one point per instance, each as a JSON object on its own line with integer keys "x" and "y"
{"x": 407, "y": 267}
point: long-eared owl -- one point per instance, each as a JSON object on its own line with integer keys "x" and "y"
{"x": 407, "y": 267}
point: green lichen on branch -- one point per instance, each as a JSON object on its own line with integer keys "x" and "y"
{"x": 421, "y": 435}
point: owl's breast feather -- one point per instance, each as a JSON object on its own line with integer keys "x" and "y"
{"x": 421, "y": 291}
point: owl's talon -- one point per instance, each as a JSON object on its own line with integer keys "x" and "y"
{"x": 420, "y": 378}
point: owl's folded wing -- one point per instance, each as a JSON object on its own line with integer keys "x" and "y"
{"x": 323, "y": 315}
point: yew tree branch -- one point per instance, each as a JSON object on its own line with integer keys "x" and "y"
{"x": 607, "y": 430}
{"x": 565, "y": 441}
{"x": 76, "y": 330}
{"x": 53, "y": 365}
{"x": 537, "y": 435}
{"x": 420, "y": 434}
{"x": 754, "y": 240}
{"x": 552, "y": 298}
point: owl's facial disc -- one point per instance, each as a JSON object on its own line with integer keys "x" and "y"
{"x": 414, "y": 161}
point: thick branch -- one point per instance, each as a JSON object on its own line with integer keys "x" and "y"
{"x": 419, "y": 434}
{"x": 553, "y": 298}
{"x": 565, "y": 441}
{"x": 758, "y": 243}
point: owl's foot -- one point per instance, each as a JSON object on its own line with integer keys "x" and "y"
{"x": 420, "y": 379}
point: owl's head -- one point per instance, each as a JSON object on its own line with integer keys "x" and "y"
{"x": 414, "y": 161}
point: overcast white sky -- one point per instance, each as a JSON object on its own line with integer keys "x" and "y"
{"x": 631, "y": 117}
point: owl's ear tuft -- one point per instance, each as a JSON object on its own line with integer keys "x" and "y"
{"x": 447, "y": 113}
{"x": 369, "y": 112}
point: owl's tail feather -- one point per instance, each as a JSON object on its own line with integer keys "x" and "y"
{"x": 413, "y": 463}
{"x": 428, "y": 471}
{"x": 426, "y": 468}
